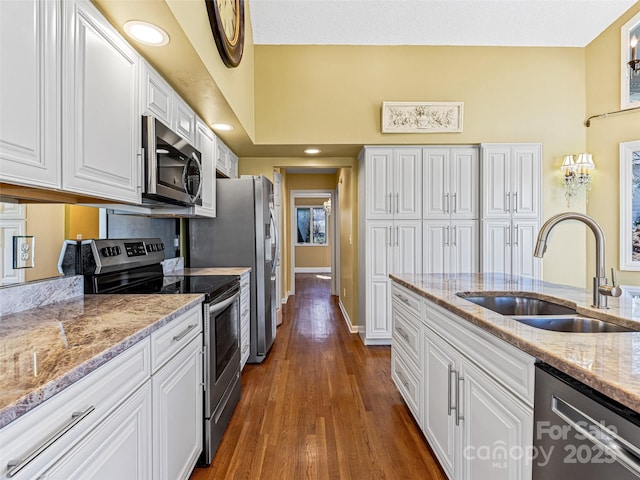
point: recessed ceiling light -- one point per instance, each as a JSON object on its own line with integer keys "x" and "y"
{"x": 222, "y": 127}
{"x": 146, "y": 33}
{"x": 312, "y": 151}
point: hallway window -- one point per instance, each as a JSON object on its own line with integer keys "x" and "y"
{"x": 312, "y": 225}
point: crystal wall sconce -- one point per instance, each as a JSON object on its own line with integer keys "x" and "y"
{"x": 577, "y": 175}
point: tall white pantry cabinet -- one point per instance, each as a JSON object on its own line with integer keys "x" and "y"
{"x": 443, "y": 209}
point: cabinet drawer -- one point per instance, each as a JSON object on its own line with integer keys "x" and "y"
{"x": 171, "y": 338}
{"x": 510, "y": 366}
{"x": 406, "y": 333}
{"x": 408, "y": 299}
{"x": 95, "y": 396}
{"x": 407, "y": 382}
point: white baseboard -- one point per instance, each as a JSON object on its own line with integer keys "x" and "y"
{"x": 312, "y": 270}
{"x": 376, "y": 341}
{"x": 286, "y": 298}
{"x": 352, "y": 328}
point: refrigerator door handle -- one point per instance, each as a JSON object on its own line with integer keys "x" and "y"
{"x": 274, "y": 260}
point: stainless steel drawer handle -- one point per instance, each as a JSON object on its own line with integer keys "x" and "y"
{"x": 459, "y": 380}
{"x": 14, "y": 466}
{"x": 610, "y": 442}
{"x": 402, "y": 333}
{"x": 450, "y": 406}
{"x": 403, "y": 298}
{"x": 184, "y": 333}
{"x": 402, "y": 379}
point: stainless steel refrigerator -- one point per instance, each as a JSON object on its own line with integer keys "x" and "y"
{"x": 243, "y": 234}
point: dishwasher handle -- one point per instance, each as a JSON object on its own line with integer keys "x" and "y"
{"x": 611, "y": 443}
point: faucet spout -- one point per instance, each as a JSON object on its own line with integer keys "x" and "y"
{"x": 600, "y": 280}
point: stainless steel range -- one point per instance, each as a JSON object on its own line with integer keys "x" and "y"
{"x": 133, "y": 266}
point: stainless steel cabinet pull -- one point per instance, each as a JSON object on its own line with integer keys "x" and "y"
{"x": 397, "y": 235}
{"x": 454, "y": 209}
{"x": 451, "y": 407}
{"x": 184, "y": 333}
{"x": 621, "y": 450}
{"x": 390, "y": 237}
{"x": 402, "y": 379}
{"x": 455, "y": 235}
{"x": 508, "y": 236}
{"x": 515, "y": 235}
{"x": 403, "y": 298}
{"x": 446, "y": 203}
{"x": 459, "y": 379}
{"x": 14, "y": 466}
{"x": 508, "y": 195}
{"x": 397, "y": 203}
{"x": 402, "y": 333}
{"x": 390, "y": 204}
{"x": 446, "y": 240}
{"x": 515, "y": 202}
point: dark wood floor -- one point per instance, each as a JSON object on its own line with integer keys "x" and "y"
{"x": 321, "y": 406}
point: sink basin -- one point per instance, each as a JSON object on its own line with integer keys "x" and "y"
{"x": 519, "y": 305}
{"x": 571, "y": 323}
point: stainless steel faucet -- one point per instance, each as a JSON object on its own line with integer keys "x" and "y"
{"x": 600, "y": 288}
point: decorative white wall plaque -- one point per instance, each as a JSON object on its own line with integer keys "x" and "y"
{"x": 422, "y": 117}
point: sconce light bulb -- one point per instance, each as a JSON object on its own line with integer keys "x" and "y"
{"x": 634, "y": 42}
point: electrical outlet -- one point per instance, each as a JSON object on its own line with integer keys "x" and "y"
{"x": 23, "y": 252}
{"x": 344, "y": 292}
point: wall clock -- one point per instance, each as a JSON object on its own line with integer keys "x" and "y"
{"x": 226, "y": 18}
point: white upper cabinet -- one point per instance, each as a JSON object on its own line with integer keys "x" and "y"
{"x": 450, "y": 182}
{"x": 29, "y": 86}
{"x": 393, "y": 183}
{"x": 226, "y": 160}
{"x": 184, "y": 120}
{"x": 101, "y": 114}
{"x": 156, "y": 95}
{"x": 206, "y": 144}
{"x": 511, "y": 180}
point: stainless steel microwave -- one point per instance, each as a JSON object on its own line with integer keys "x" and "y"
{"x": 173, "y": 169}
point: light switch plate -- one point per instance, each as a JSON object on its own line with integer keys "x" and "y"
{"x": 23, "y": 252}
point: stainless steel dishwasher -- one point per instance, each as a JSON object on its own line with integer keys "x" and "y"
{"x": 580, "y": 433}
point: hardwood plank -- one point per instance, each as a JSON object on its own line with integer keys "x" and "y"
{"x": 322, "y": 406}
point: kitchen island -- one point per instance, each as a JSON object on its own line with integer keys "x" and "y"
{"x": 607, "y": 362}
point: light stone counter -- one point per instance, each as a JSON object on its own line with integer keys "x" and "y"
{"x": 43, "y": 350}
{"x": 608, "y": 362}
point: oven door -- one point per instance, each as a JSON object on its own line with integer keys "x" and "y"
{"x": 222, "y": 349}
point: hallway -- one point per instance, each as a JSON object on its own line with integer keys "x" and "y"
{"x": 322, "y": 406}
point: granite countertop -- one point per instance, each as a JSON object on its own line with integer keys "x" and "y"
{"x": 212, "y": 271}
{"x": 607, "y": 362}
{"x": 43, "y": 350}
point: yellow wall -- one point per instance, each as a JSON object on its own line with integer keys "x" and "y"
{"x": 348, "y": 215}
{"x": 603, "y": 139}
{"x": 509, "y": 95}
{"x": 82, "y": 221}
{"x": 46, "y": 223}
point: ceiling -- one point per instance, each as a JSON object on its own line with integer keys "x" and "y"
{"x": 550, "y": 23}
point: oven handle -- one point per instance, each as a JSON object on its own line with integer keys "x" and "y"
{"x": 218, "y": 307}
{"x": 612, "y": 444}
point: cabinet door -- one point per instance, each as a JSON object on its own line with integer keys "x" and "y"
{"x": 464, "y": 249}
{"x": 233, "y": 165}
{"x": 496, "y": 179}
{"x": 436, "y": 183}
{"x": 525, "y": 235}
{"x": 407, "y": 255}
{"x": 407, "y": 183}
{"x": 440, "y": 360}
{"x": 178, "y": 414}
{"x": 496, "y": 246}
{"x": 435, "y": 243}
{"x": 465, "y": 183}
{"x": 119, "y": 448}
{"x": 100, "y": 107}
{"x": 379, "y": 259}
{"x": 496, "y": 430}
{"x": 206, "y": 144}
{"x": 156, "y": 95}
{"x": 525, "y": 178}
{"x": 379, "y": 183}
{"x": 184, "y": 120}
{"x": 29, "y": 86}
{"x": 222, "y": 158}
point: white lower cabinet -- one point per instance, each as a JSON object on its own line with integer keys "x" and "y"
{"x": 119, "y": 448}
{"x": 178, "y": 414}
{"x": 475, "y": 391}
{"x": 508, "y": 247}
{"x": 245, "y": 318}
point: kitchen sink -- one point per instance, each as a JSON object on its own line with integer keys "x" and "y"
{"x": 519, "y": 305}
{"x": 570, "y": 323}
